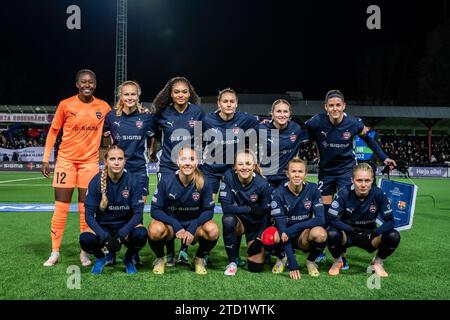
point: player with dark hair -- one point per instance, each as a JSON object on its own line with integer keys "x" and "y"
{"x": 176, "y": 113}
{"x": 298, "y": 212}
{"x": 114, "y": 209}
{"x": 352, "y": 218}
{"x": 245, "y": 197}
{"x": 182, "y": 207}
{"x": 334, "y": 133}
{"x": 131, "y": 128}
{"x": 81, "y": 117}
{"x": 224, "y": 133}
{"x": 290, "y": 138}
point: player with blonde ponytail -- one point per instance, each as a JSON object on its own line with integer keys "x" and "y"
{"x": 114, "y": 209}
{"x": 183, "y": 207}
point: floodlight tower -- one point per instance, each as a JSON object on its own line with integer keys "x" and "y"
{"x": 121, "y": 44}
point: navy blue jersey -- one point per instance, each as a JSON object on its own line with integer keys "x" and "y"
{"x": 130, "y": 132}
{"x": 335, "y": 143}
{"x": 304, "y": 210}
{"x": 348, "y": 211}
{"x": 218, "y": 144}
{"x": 125, "y": 205}
{"x": 169, "y": 120}
{"x": 240, "y": 199}
{"x": 289, "y": 142}
{"x": 175, "y": 204}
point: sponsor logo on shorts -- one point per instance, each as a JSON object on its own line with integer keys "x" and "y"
{"x": 254, "y": 197}
{"x": 195, "y": 195}
{"x": 139, "y": 124}
{"x": 125, "y": 194}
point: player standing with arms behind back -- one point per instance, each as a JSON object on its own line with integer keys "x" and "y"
{"x": 81, "y": 117}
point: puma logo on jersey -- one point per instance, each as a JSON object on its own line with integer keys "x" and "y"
{"x": 324, "y": 133}
{"x": 172, "y": 196}
{"x": 117, "y": 123}
{"x": 170, "y": 123}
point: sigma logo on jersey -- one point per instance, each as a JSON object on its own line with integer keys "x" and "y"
{"x": 293, "y": 137}
{"x": 346, "y": 135}
{"x": 307, "y": 204}
{"x": 139, "y": 124}
{"x": 191, "y": 123}
{"x": 373, "y": 209}
{"x": 196, "y": 196}
{"x": 125, "y": 194}
{"x": 98, "y": 114}
{"x": 254, "y": 197}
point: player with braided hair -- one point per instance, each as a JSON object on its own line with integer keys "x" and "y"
{"x": 114, "y": 209}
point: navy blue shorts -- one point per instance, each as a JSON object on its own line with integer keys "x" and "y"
{"x": 329, "y": 185}
{"x": 352, "y": 243}
{"x": 251, "y": 229}
{"x": 213, "y": 177}
{"x": 142, "y": 177}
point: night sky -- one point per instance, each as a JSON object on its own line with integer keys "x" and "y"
{"x": 251, "y": 46}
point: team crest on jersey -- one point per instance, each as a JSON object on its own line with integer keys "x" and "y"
{"x": 402, "y": 205}
{"x": 293, "y": 137}
{"x": 273, "y": 204}
{"x": 195, "y": 195}
{"x": 373, "y": 209}
{"x": 98, "y": 114}
{"x": 191, "y": 123}
{"x": 222, "y": 186}
{"x": 254, "y": 197}
{"x": 335, "y": 204}
{"x": 346, "y": 135}
{"x": 236, "y": 130}
{"x": 307, "y": 204}
{"x": 125, "y": 193}
{"x": 139, "y": 124}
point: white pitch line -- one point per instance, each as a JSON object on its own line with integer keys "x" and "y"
{"x": 6, "y": 181}
{"x": 26, "y": 185}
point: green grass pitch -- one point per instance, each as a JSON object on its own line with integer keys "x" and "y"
{"x": 419, "y": 269}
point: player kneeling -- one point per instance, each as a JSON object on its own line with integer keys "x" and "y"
{"x": 183, "y": 207}
{"x": 114, "y": 209}
{"x": 245, "y": 197}
{"x": 352, "y": 219}
{"x": 299, "y": 216}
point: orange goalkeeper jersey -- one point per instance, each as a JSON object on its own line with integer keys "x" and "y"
{"x": 82, "y": 125}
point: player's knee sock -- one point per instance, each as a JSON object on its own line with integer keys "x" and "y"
{"x": 238, "y": 244}
{"x": 205, "y": 246}
{"x": 229, "y": 236}
{"x": 334, "y": 242}
{"x": 58, "y": 223}
{"x": 389, "y": 242}
{"x": 83, "y": 224}
{"x": 157, "y": 246}
{"x": 137, "y": 239}
{"x": 315, "y": 249}
{"x": 170, "y": 245}
{"x": 89, "y": 242}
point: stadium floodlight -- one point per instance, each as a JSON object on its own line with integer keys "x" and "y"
{"x": 121, "y": 44}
